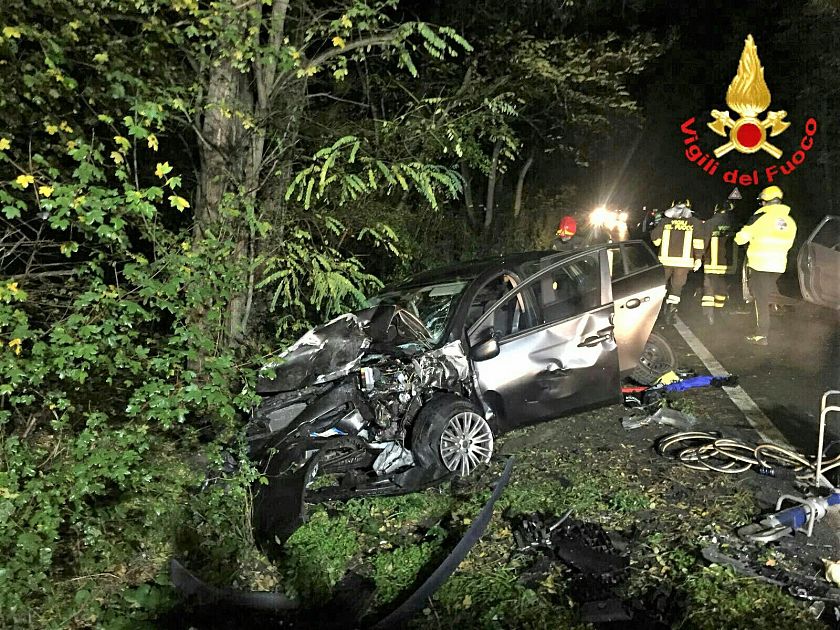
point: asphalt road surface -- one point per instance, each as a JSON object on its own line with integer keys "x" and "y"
{"x": 787, "y": 378}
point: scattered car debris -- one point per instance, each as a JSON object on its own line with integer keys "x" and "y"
{"x": 799, "y": 585}
{"x": 664, "y": 416}
{"x": 533, "y": 533}
{"x": 586, "y": 549}
{"x": 636, "y": 396}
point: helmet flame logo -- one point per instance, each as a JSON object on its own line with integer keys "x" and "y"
{"x": 748, "y": 96}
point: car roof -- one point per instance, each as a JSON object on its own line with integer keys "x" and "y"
{"x": 468, "y": 270}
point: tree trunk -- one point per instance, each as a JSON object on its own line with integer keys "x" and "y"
{"x": 218, "y": 137}
{"x": 520, "y": 183}
{"x": 468, "y": 198}
{"x": 491, "y": 184}
{"x": 232, "y": 157}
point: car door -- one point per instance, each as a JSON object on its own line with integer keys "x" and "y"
{"x": 557, "y": 353}
{"x": 818, "y": 264}
{"x": 638, "y": 286}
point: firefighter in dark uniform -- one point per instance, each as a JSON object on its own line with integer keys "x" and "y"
{"x": 719, "y": 260}
{"x": 680, "y": 244}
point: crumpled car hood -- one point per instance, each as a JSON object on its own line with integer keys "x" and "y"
{"x": 335, "y": 349}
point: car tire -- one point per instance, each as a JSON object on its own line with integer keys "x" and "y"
{"x": 452, "y": 436}
{"x": 657, "y": 358}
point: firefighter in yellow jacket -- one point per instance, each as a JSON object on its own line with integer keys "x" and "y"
{"x": 719, "y": 260}
{"x": 679, "y": 239}
{"x": 769, "y": 236}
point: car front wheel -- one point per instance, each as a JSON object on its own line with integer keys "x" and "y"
{"x": 453, "y": 436}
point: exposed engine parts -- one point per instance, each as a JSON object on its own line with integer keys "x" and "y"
{"x": 341, "y": 405}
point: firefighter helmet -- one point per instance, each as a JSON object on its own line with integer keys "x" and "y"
{"x": 680, "y": 210}
{"x": 567, "y": 227}
{"x": 770, "y": 193}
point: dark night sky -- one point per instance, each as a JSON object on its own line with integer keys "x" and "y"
{"x": 691, "y": 79}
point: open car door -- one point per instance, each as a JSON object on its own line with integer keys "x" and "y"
{"x": 638, "y": 285}
{"x": 556, "y": 349}
{"x": 818, "y": 264}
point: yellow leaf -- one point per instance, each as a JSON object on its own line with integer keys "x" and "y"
{"x": 338, "y": 42}
{"x": 296, "y": 54}
{"x": 15, "y": 345}
{"x": 11, "y": 31}
{"x": 65, "y": 127}
{"x": 117, "y": 157}
{"x": 51, "y": 129}
{"x": 4, "y": 144}
{"x": 153, "y": 142}
{"x": 345, "y": 21}
{"x": 162, "y": 169}
{"x": 101, "y": 57}
{"x": 178, "y": 202}
{"x": 123, "y": 142}
{"x": 45, "y": 191}
{"x": 24, "y": 180}
{"x": 71, "y": 145}
{"x": 78, "y": 202}
{"x": 12, "y": 287}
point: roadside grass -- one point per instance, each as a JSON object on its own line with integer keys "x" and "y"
{"x": 666, "y": 512}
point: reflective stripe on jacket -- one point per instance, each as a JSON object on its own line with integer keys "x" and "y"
{"x": 770, "y": 233}
{"x": 679, "y": 241}
{"x": 721, "y": 255}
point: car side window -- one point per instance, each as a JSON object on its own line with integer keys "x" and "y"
{"x": 628, "y": 258}
{"x": 829, "y": 235}
{"x": 637, "y": 257}
{"x": 567, "y": 290}
{"x": 616, "y": 262}
{"x": 515, "y": 315}
{"x": 487, "y": 295}
{"x": 570, "y": 289}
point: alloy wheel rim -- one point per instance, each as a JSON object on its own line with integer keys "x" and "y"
{"x": 466, "y": 442}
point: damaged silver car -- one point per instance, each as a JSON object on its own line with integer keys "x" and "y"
{"x": 415, "y": 388}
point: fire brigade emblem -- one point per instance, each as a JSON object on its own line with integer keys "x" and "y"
{"x": 748, "y": 96}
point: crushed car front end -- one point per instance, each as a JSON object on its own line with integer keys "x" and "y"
{"x": 339, "y": 413}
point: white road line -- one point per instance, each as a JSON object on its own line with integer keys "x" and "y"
{"x": 761, "y": 423}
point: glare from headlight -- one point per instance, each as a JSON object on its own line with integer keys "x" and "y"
{"x": 599, "y": 216}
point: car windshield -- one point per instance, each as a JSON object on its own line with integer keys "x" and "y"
{"x": 431, "y": 303}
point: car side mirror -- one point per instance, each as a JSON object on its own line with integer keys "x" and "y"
{"x": 486, "y": 349}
